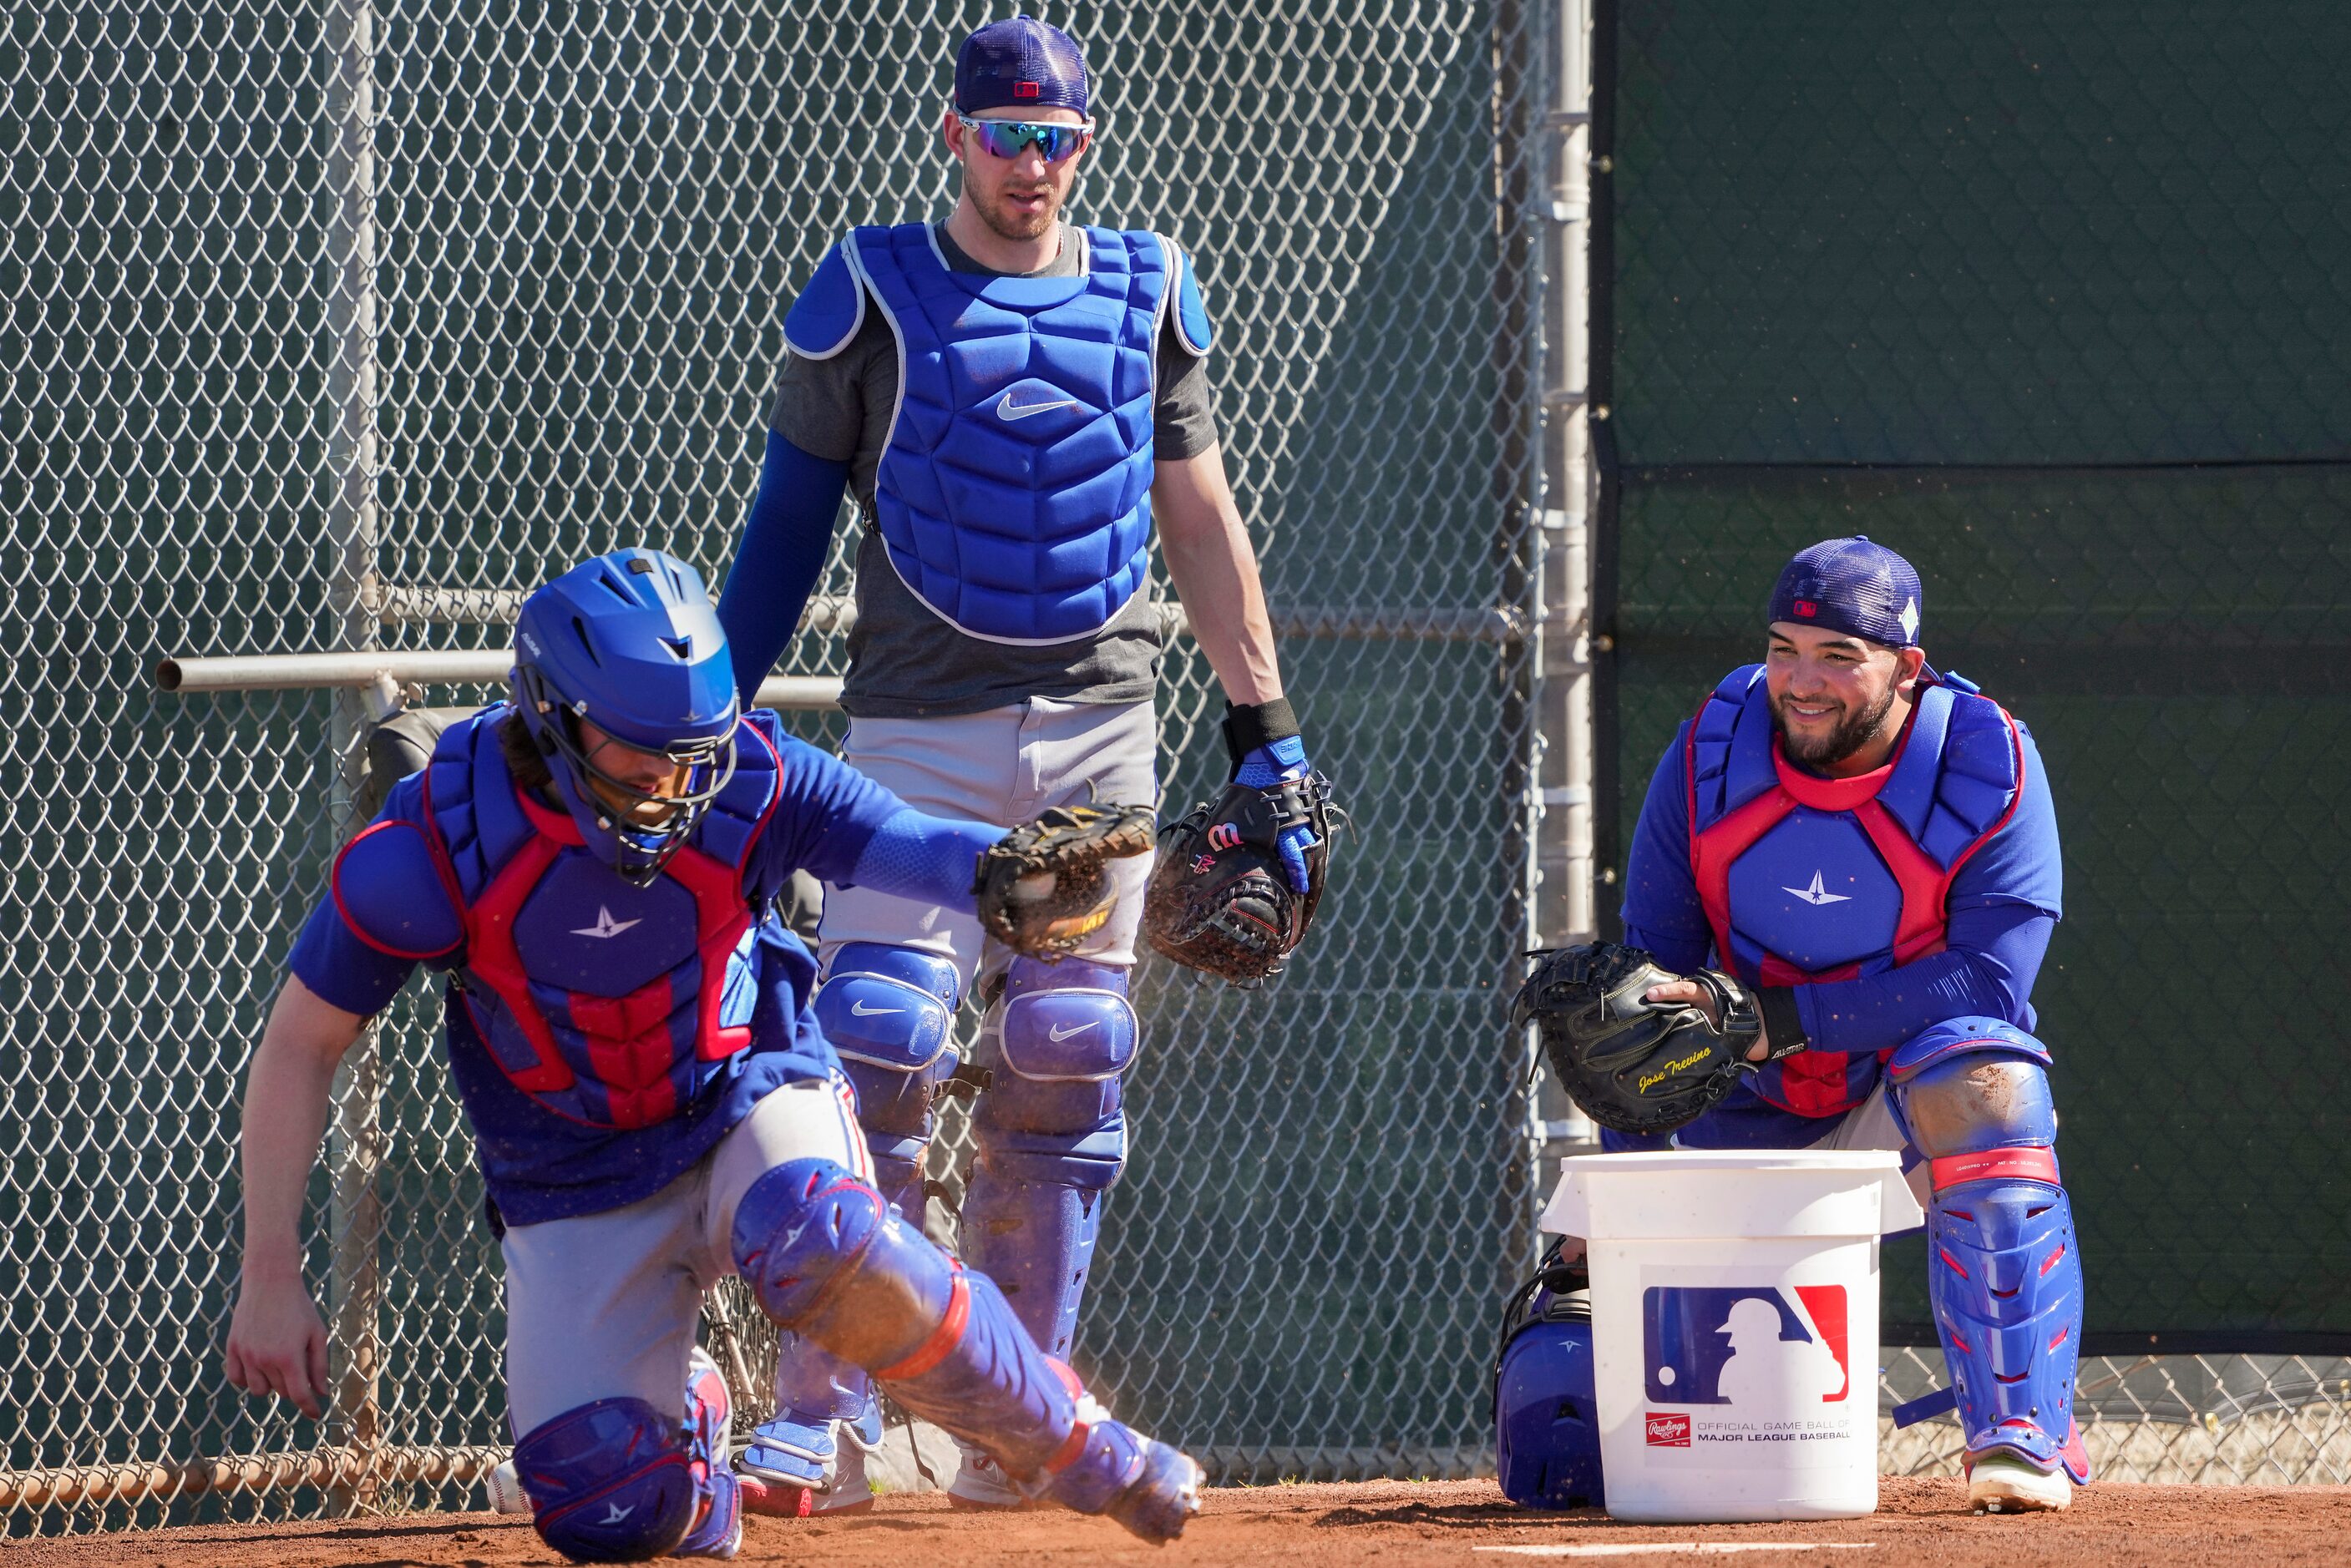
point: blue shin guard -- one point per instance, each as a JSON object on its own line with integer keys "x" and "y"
{"x": 825, "y": 1258}
{"x": 889, "y": 1013}
{"x": 1052, "y": 1137}
{"x": 2003, "y": 1270}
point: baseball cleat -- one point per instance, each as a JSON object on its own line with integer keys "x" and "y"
{"x": 796, "y": 1465}
{"x": 2003, "y": 1482}
{"x": 1165, "y": 1498}
{"x": 980, "y": 1486}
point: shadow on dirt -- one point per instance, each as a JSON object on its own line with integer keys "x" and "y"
{"x": 1458, "y": 1515}
{"x": 458, "y": 1532}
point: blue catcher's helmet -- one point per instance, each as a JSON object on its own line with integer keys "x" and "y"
{"x": 1548, "y": 1432}
{"x": 628, "y": 642}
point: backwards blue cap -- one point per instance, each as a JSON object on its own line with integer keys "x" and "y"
{"x": 1850, "y": 585}
{"x": 1021, "y": 64}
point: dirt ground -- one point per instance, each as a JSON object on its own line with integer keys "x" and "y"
{"x": 1391, "y": 1524}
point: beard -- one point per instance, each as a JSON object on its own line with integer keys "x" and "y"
{"x": 1007, "y": 223}
{"x": 1851, "y": 733}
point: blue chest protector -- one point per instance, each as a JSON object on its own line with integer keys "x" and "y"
{"x": 602, "y": 1001}
{"x": 1014, "y": 491}
{"x": 1806, "y": 879}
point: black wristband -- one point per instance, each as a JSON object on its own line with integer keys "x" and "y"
{"x": 1247, "y": 727}
{"x": 1784, "y": 1026}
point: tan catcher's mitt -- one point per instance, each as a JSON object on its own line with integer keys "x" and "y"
{"x": 1045, "y": 887}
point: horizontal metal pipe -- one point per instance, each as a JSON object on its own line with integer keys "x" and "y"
{"x": 400, "y": 603}
{"x": 75, "y": 1485}
{"x": 482, "y": 667}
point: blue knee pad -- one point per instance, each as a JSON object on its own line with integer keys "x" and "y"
{"x": 1053, "y": 1113}
{"x": 889, "y": 1013}
{"x": 1546, "y": 1425}
{"x": 824, "y": 1256}
{"x": 609, "y": 1482}
{"x": 1052, "y": 1131}
{"x": 2003, "y": 1270}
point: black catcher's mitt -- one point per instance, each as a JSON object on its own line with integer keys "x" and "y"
{"x": 1219, "y": 900}
{"x": 1633, "y": 1066}
{"x": 1044, "y": 886}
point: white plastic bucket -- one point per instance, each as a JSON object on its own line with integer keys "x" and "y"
{"x": 1734, "y": 1318}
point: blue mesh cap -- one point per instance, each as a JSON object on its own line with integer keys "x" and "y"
{"x": 1850, "y": 585}
{"x": 1021, "y": 64}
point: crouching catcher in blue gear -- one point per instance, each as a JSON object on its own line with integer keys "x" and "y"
{"x": 1847, "y": 872}
{"x": 643, "y": 1065}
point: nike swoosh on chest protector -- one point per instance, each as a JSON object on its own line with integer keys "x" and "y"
{"x": 1006, "y": 408}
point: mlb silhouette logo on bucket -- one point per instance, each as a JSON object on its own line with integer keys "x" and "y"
{"x": 1744, "y": 1346}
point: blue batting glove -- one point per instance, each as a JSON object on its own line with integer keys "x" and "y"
{"x": 1267, "y": 767}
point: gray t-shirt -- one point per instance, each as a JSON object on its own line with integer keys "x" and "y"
{"x": 905, "y": 662}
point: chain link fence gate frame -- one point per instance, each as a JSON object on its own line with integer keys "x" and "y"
{"x": 336, "y": 325}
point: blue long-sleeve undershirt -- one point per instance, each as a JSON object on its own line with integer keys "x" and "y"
{"x": 2001, "y": 913}
{"x": 782, "y": 553}
{"x": 931, "y": 858}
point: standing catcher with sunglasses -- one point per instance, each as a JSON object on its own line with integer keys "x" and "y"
{"x": 1013, "y": 400}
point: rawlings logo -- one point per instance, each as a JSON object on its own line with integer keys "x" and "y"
{"x": 1223, "y": 836}
{"x": 1667, "y": 1430}
{"x": 1203, "y": 864}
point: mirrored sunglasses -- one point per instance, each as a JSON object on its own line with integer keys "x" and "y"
{"x": 1006, "y": 137}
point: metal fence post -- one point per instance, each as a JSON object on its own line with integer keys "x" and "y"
{"x": 1565, "y": 910}
{"x": 355, "y": 1138}
{"x": 1518, "y": 92}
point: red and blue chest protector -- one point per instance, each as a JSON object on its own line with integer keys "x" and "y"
{"x": 603, "y": 1037}
{"x": 599, "y": 1000}
{"x": 1805, "y": 880}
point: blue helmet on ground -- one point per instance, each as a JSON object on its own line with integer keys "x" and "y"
{"x": 1546, "y": 1429}
{"x": 625, "y": 651}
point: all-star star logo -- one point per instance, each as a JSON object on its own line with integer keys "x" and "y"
{"x": 1817, "y": 894}
{"x": 606, "y": 926}
{"x": 615, "y": 1513}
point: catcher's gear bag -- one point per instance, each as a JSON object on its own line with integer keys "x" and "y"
{"x": 1219, "y": 900}
{"x": 1546, "y": 1424}
{"x": 396, "y": 748}
{"x": 1633, "y": 1065}
{"x": 1045, "y": 887}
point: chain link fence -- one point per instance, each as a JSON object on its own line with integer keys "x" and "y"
{"x": 2051, "y": 299}
{"x": 334, "y": 325}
